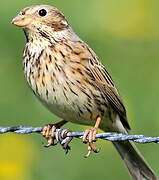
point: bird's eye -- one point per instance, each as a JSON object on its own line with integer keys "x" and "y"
{"x": 42, "y": 12}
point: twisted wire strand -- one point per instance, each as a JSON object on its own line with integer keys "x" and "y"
{"x": 62, "y": 134}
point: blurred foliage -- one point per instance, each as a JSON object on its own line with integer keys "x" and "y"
{"x": 125, "y": 35}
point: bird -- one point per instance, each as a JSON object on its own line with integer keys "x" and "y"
{"x": 69, "y": 79}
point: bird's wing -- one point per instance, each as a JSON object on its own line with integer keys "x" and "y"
{"x": 104, "y": 81}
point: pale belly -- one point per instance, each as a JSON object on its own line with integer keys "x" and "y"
{"x": 71, "y": 105}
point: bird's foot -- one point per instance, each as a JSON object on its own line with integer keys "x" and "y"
{"x": 90, "y": 137}
{"x": 49, "y": 132}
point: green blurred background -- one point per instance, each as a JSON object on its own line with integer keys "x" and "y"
{"x": 125, "y": 35}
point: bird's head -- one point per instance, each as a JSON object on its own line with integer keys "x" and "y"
{"x": 44, "y": 20}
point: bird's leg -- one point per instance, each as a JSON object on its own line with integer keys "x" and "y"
{"x": 51, "y": 127}
{"x": 90, "y": 137}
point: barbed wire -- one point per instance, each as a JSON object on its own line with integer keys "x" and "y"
{"x": 64, "y": 136}
{"x": 63, "y": 133}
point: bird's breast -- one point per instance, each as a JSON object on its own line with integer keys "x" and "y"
{"x": 62, "y": 91}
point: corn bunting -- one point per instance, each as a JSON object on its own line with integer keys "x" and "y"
{"x": 68, "y": 78}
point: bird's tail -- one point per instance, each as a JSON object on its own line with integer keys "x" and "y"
{"x": 134, "y": 161}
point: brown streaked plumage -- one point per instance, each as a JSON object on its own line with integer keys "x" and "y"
{"x": 69, "y": 79}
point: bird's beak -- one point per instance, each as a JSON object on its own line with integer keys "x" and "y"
{"x": 21, "y": 20}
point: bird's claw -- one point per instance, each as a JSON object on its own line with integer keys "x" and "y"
{"x": 90, "y": 137}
